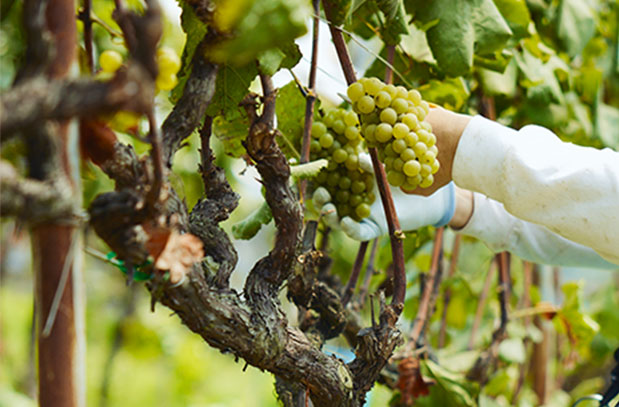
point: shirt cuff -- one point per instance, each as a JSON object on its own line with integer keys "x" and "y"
{"x": 479, "y": 160}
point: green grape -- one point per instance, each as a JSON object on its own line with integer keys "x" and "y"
{"x": 388, "y": 149}
{"x": 434, "y": 149}
{"x": 368, "y": 133}
{"x": 373, "y": 86}
{"x": 414, "y": 96}
{"x": 363, "y": 210}
{"x": 395, "y": 178}
{"x": 431, "y": 140}
{"x": 411, "y": 139}
{"x": 391, "y": 90}
{"x": 332, "y": 166}
{"x": 398, "y": 146}
{"x": 400, "y": 105}
{"x": 427, "y": 181}
{"x": 425, "y": 108}
{"x": 352, "y": 132}
{"x": 321, "y": 178}
{"x": 428, "y": 158}
{"x": 333, "y": 179}
{"x": 355, "y": 142}
{"x": 355, "y": 91}
{"x": 420, "y": 149}
{"x": 398, "y": 163}
{"x": 318, "y": 129}
{"x": 166, "y": 82}
{"x": 389, "y": 116}
{"x": 435, "y": 166}
{"x": 352, "y": 162}
{"x": 423, "y": 135}
{"x": 371, "y": 118}
{"x": 110, "y": 61}
{"x": 345, "y": 182}
{"x": 426, "y": 126}
{"x": 411, "y": 120}
{"x": 355, "y": 175}
{"x": 425, "y": 170}
{"x": 365, "y": 104}
{"x": 408, "y": 154}
{"x": 411, "y": 168}
{"x": 369, "y": 182}
{"x": 382, "y": 99}
{"x": 357, "y": 187}
{"x": 414, "y": 180}
{"x": 344, "y": 211}
{"x": 326, "y": 140}
{"x": 339, "y": 126}
{"x": 342, "y": 196}
{"x": 383, "y": 132}
{"x": 315, "y": 146}
{"x": 329, "y": 119}
{"x": 351, "y": 118}
{"x": 388, "y": 163}
{"x": 340, "y": 155}
{"x": 355, "y": 200}
{"x": 168, "y": 60}
{"x": 400, "y": 130}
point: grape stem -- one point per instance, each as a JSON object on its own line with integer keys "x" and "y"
{"x": 395, "y": 232}
{"x": 430, "y": 291}
{"x": 453, "y": 262}
{"x": 354, "y": 274}
{"x": 87, "y": 21}
{"x": 310, "y": 97}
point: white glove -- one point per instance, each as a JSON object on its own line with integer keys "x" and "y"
{"x": 414, "y": 212}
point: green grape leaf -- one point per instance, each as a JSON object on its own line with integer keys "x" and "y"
{"x": 496, "y": 62}
{"x": 517, "y": 15}
{"x": 452, "y": 93}
{"x": 290, "y": 111}
{"x": 231, "y": 133}
{"x": 495, "y": 83}
{"x": 539, "y": 79}
{"x": 404, "y": 66}
{"x": 395, "y": 24}
{"x": 606, "y": 125}
{"x": 416, "y": 45}
{"x": 195, "y": 30}
{"x": 451, "y": 389}
{"x": 339, "y": 10}
{"x": 459, "y": 29}
{"x": 271, "y": 60}
{"x": 250, "y": 226}
{"x": 266, "y": 24}
{"x": 231, "y": 87}
{"x": 512, "y": 350}
{"x": 575, "y": 25}
{"x": 571, "y": 319}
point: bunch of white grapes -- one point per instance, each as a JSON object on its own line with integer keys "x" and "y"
{"x": 392, "y": 120}
{"x": 337, "y": 138}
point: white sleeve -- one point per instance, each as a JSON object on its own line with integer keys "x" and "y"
{"x": 571, "y": 190}
{"x": 501, "y": 231}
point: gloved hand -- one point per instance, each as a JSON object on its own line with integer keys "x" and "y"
{"x": 414, "y": 211}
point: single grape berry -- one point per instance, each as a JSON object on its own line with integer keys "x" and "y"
{"x": 110, "y": 61}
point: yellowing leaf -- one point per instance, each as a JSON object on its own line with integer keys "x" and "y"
{"x": 179, "y": 254}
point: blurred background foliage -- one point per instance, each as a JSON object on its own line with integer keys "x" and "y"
{"x": 559, "y": 68}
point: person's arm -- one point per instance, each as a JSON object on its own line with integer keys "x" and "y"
{"x": 571, "y": 190}
{"x": 488, "y": 221}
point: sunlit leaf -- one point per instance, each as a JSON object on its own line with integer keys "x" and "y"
{"x": 463, "y": 28}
